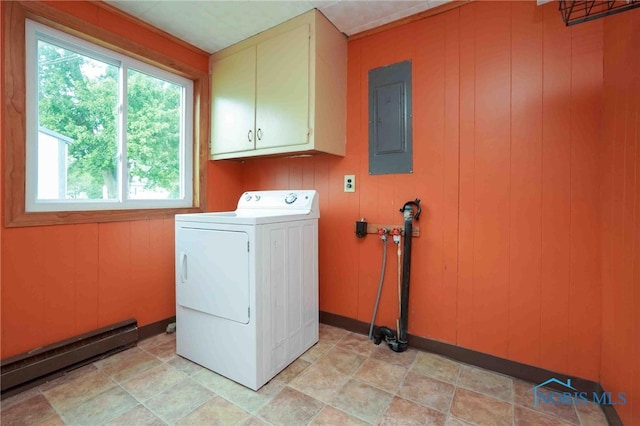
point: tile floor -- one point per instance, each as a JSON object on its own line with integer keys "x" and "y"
{"x": 343, "y": 380}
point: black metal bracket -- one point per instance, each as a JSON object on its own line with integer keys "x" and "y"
{"x": 578, "y": 11}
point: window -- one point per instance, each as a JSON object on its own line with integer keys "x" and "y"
{"x": 104, "y": 131}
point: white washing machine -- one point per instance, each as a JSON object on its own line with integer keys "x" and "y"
{"x": 247, "y": 285}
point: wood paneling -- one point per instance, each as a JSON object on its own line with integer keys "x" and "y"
{"x": 427, "y": 180}
{"x": 492, "y": 178}
{"x": 466, "y": 173}
{"x": 526, "y": 168}
{"x": 586, "y": 121}
{"x": 115, "y": 293}
{"x": 58, "y": 281}
{"x": 556, "y": 193}
{"x": 620, "y": 369}
{"x": 63, "y": 280}
{"x": 447, "y": 303}
{"x": 86, "y": 276}
{"x": 224, "y": 185}
{"x": 506, "y": 104}
{"x": 23, "y": 291}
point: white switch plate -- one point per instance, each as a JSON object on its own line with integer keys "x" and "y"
{"x": 349, "y": 183}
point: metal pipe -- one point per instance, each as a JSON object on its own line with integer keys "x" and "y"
{"x": 407, "y": 211}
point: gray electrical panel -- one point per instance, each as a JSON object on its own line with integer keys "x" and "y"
{"x": 390, "y": 116}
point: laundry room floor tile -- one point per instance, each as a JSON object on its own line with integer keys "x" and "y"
{"x": 356, "y": 343}
{"x": 486, "y": 382}
{"x": 331, "y": 334}
{"x": 362, "y": 400}
{"x": 342, "y": 380}
{"x": 187, "y": 367}
{"x": 293, "y": 370}
{"x": 320, "y": 383}
{"x": 523, "y": 395}
{"x": 381, "y": 374}
{"x": 436, "y": 367}
{"x": 525, "y": 417}
{"x": 481, "y": 409}
{"x": 317, "y": 350}
{"x": 330, "y": 416}
{"x": 153, "y": 381}
{"x": 77, "y": 391}
{"x": 341, "y": 360}
{"x": 101, "y": 408}
{"x": 217, "y": 411}
{"x": 591, "y": 415}
{"x": 403, "y": 359}
{"x": 246, "y": 398}
{"x": 427, "y": 391}
{"x": 179, "y": 400}
{"x": 127, "y": 364}
{"x": 290, "y": 407}
{"x": 28, "y": 411}
{"x": 138, "y": 415}
{"x": 407, "y": 413}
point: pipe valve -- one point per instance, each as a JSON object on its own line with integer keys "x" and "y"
{"x": 382, "y": 233}
{"x": 396, "y": 233}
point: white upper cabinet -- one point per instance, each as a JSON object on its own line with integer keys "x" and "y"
{"x": 282, "y": 92}
{"x": 233, "y": 107}
{"x": 282, "y": 89}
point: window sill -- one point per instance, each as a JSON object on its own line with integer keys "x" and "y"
{"x": 74, "y": 217}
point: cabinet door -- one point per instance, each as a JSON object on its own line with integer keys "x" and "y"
{"x": 233, "y": 102}
{"x": 282, "y": 92}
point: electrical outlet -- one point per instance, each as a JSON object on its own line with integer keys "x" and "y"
{"x": 349, "y": 183}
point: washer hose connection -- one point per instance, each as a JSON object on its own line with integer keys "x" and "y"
{"x": 398, "y": 343}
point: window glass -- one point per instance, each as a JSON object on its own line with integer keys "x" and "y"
{"x": 104, "y": 131}
{"x": 154, "y": 112}
{"x": 77, "y": 125}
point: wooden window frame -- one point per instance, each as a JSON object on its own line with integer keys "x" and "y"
{"x": 14, "y": 114}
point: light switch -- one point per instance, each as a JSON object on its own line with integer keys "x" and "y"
{"x": 349, "y": 183}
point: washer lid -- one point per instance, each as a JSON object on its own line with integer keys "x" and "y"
{"x": 257, "y": 207}
{"x": 302, "y": 200}
{"x": 241, "y": 218}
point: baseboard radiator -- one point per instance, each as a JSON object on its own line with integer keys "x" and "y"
{"x": 36, "y": 365}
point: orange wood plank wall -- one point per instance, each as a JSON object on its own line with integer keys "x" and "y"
{"x": 507, "y": 141}
{"x": 59, "y": 281}
{"x": 621, "y": 212}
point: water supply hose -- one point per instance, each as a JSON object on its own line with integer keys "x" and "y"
{"x": 383, "y": 236}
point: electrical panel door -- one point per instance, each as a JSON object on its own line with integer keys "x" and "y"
{"x": 390, "y": 117}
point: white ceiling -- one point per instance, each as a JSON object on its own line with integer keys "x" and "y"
{"x": 215, "y": 24}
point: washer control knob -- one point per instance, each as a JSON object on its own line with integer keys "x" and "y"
{"x": 291, "y": 198}
{"x": 257, "y": 198}
{"x": 247, "y": 197}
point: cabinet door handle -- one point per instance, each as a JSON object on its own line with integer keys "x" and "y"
{"x": 259, "y": 134}
{"x": 250, "y": 135}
